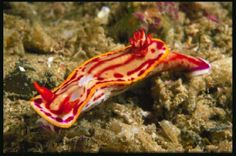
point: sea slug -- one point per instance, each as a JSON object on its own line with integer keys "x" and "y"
{"x": 109, "y": 74}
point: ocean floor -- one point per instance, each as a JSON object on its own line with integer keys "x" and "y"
{"x": 169, "y": 112}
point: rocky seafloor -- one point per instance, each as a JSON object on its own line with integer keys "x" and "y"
{"x": 168, "y": 112}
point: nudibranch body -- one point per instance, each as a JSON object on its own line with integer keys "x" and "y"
{"x": 109, "y": 74}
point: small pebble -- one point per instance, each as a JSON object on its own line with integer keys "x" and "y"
{"x": 22, "y": 69}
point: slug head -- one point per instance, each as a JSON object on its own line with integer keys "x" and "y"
{"x": 57, "y": 109}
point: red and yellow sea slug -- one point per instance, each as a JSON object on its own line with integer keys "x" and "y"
{"x": 109, "y": 74}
